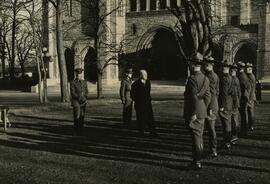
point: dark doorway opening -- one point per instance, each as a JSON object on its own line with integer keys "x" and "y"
{"x": 90, "y": 65}
{"x": 247, "y": 54}
{"x": 69, "y": 56}
{"x": 161, "y": 57}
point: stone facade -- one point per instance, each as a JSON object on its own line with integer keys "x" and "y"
{"x": 238, "y": 27}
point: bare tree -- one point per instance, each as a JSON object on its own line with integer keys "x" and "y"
{"x": 59, "y": 8}
{"x": 193, "y": 28}
{"x": 24, "y": 44}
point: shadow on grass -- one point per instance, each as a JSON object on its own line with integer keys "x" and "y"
{"x": 105, "y": 138}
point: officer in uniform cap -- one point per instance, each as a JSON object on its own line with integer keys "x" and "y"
{"x": 79, "y": 92}
{"x": 245, "y": 88}
{"x": 236, "y": 96}
{"x": 252, "y": 96}
{"x": 225, "y": 103}
{"x": 125, "y": 96}
{"x": 212, "y": 109}
{"x": 197, "y": 97}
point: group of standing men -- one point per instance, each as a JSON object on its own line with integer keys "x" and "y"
{"x": 208, "y": 95}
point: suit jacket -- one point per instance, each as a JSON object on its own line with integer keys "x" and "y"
{"x": 125, "y": 90}
{"x": 236, "y": 92}
{"x": 225, "y": 96}
{"x": 214, "y": 90}
{"x": 140, "y": 94}
{"x": 197, "y": 96}
{"x": 244, "y": 85}
{"x": 79, "y": 92}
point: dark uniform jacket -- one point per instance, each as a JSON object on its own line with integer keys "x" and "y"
{"x": 214, "y": 90}
{"x": 79, "y": 92}
{"x": 244, "y": 85}
{"x": 197, "y": 96}
{"x": 140, "y": 94}
{"x": 252, "y": 82}
{"x": 125, "y": 90}
{"x": 236, "y": 92}
{"x": 225, "y": 95}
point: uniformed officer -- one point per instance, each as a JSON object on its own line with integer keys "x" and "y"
{"x": 245, "y": 88}
{"x": 140, "y": 94}
{"x": 125, "y": 96}
{"x": 236, "y": 96}
{"x": 212, "y": 109}
{"x": 252, "y": 96}
{"x": 197, "y": 97}
{"x": 79, "y": 92}
{"x": 225, "y": 103}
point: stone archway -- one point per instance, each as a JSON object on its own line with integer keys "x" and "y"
{"x": 90, "y": 66}
{"x": 69, "y": 56}
{"x": 159, "y": 54}
{"x": 245, "y": 51}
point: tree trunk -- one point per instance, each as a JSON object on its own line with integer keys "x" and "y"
{"x": 13, "y": 34}
{"x": 22, "y": 68}
{"x": 60, "y": 52}
{"x": 99, "y": 86}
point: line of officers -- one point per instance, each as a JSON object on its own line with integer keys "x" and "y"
{"x": 208, "y": 95}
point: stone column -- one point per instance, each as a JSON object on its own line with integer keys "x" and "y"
{"x": 128, "y": 4}
{"x": 245, "y": 10}
{"x": 178, "y": 3}
{"x": 157, "y": 4}
{"x": 168, "y": 3}
{"x": 147, "y": 5}
{"x": 263, "y": 58}
{"x": 138, "y": 7}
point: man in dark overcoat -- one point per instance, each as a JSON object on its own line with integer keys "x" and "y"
{"x": 252, "y": 96}
{"x": 225, "y": 103}
{"x": 125, "y": 97}
{"x": 79, "y": 92}
{"x": 196, "y": 100}
{"x": 236, "y": 96}
{"x": 140, "y": 94}
{"x": 212, "y": 110}
{"x": 245, "y": 88}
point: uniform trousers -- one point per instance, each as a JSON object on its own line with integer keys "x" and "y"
{"x": 78, "y": 115}
{"x": 226, "y": 117}
{"x": 127, "y": 112}
{"x": 211, "y": 129}
{"x": 251, "y": 114}
{"x": 235, "y": 123}
{"x": 196, "y": 128}
{"x": 244, "y": 117}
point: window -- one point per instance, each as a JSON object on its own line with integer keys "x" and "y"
{"x": 235, "y": 20}
{"x": 120, "y": 10}
{"x": 153, "y": 4}
{"x": 133, "y": 5}
{"x": 143, "y": 5}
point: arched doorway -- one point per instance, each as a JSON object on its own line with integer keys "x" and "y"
{"x": 159, "y": 54}
{"x": 90, "y": 65}
{"x": 69, "y": 57}
{"x": 246, "y": 52}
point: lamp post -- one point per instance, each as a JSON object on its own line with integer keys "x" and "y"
{"x": 44, "y": 69}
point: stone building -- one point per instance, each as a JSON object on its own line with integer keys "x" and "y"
{"x": 240, "y": 31}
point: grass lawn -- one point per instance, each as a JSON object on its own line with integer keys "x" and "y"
{"x": 39, "y": 148}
